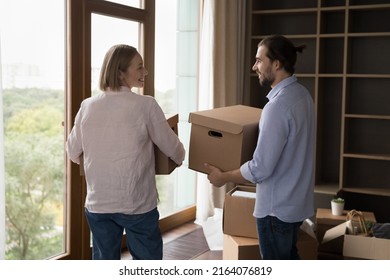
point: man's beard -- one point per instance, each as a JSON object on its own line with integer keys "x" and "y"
{"x": 266, "y": 82}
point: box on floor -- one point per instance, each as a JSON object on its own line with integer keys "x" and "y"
{"x": 240, "y": 248}
{"x": 224, "y": 137}
{"x": 244, "y": 248}
{"x": 238, "y": 219}
{"x": 325, "y": 221}
{"x": 358, "y": 246}
{"x": 239, "y": 227}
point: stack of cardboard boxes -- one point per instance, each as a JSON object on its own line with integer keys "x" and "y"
{"x": 239, "y": 226}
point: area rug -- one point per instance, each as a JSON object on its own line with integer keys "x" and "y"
{"x": 186, "y": 247}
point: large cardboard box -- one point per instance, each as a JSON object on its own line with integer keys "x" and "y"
{"x": 163, "y": 164}
{"x": 359, "y": 246}
{"x": 240, "y": 248}
{"x": 224, "y": 137}
{"x": 325, "y": 221}
{"x": 238, "y": 219}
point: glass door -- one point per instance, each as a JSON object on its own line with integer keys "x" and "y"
{"x": 107, "y": 31}
{"x": 33, "y": 90}
{"x": 94, "y": 27}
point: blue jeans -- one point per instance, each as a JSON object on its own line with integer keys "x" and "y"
{"x": 143, "y": 235}
{"x": 277, "y": 238}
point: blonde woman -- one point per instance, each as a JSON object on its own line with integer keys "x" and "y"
{"x": 116, "y": 131}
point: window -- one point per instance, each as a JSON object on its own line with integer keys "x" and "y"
{"x": 108, "y": 31}
{"x": 43, "y": 83}
{"x": 176, "y": 69}
{"x": 94, "y": 26}
{"x": 131, "y": 3}
{"x": 32, "y": 70}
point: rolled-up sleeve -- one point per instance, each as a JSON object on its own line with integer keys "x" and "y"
{"x": 164, "y": 137}
{"x": 273, "y": 133}
{"x": 247, "y": 173}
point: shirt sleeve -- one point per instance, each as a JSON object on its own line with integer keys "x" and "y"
{"x": 273, "y": 134}
{"x": 163, "y": 136}
{"x": 73, "y": 144}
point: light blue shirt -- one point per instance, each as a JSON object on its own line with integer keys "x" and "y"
{"x": 283, "y": 163}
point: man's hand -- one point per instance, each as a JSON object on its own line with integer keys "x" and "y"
{"x": 218, "y": 178}
{"x": 215, "y": 175}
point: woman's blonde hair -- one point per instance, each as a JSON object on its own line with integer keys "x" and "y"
{"x": 117, "y": 59}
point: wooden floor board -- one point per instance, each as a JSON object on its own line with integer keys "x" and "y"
{"x": 184, "y": 245}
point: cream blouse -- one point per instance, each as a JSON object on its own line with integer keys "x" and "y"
{"x": 116, "y": 132}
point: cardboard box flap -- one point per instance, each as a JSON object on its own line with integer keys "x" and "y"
{"x": 335, "y": 232}
{"x": 244, "y": 194}
{"x": 232, "y": 119}
{"x": 308, "y": 227}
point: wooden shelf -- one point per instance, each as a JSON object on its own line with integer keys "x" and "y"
{"x": 373, "y": 117}
{"x": 285, "y": 11}
{"x": 331, "y": 9}
{"x": 369, "y": 76}
{"x": 369, "y": 191}
{"x": 291, "y": 36}
{"x": 368, "y": 34}
{"x": 331, "y": 189}
{"x": 347, "y": 70}
{"x": 369, "y": 7}
{"x": 331, "y": 35}
{"x": 368, "y": 156}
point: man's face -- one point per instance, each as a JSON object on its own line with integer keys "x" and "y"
{"x": 264, "y": 67}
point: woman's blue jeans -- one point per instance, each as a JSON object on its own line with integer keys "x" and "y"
{"x": 143, "y": 235}
{"x": 277, "y": 238}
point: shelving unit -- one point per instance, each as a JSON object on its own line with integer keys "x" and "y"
{"x": 346, "y": 67}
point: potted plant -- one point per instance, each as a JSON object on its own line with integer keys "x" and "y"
{"x": 337, "y": 205}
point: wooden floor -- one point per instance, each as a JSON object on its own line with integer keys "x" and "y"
{"x": 181, "y": 231}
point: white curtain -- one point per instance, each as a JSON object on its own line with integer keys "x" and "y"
{"x": 2, "y": 173}
{"x": 221, "y": 72}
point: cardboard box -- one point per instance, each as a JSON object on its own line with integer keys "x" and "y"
{"x": 362, "y": 247}
{"x": 325, "y": 221}
{"x": 240, "y": 248}
{"x": 359, "y": 246}
{"x": 307, "y": 243}
{"x": 238, "y": 219}
{"x": 224, "y": 137}
{"x": 244, "y": 248}
{"x": 163, "y": 164}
